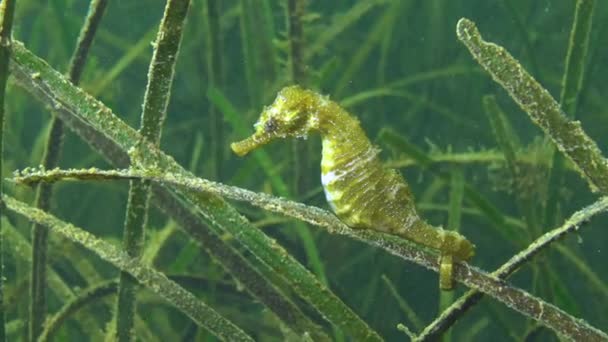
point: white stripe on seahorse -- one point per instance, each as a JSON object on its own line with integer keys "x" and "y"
{"x": 352, "y": 165}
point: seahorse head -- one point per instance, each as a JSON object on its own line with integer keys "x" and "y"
{"x": 292, "y": 114}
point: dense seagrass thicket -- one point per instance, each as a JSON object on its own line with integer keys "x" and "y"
{"x": 130, "y": 98}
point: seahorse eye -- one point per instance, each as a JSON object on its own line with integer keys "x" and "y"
{"x": 270, "y": 126}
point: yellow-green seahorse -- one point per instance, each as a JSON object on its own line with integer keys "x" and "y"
{"x": 361, "y": 192}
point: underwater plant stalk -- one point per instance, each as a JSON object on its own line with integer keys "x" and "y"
{"x": 85, "y": 39}
{"x": 7, "y": 12}
{"x": 576, "y": 56}
{"x": 85, "y": 297}
{"x": 520, "y": 27}
{"x": 210, "y": 240}
{"x": 295, "y": 34}
{"x": 114, "y": 137}
{"x": 250, "y": 36}
{"x": 156, "y": 281}
{"x": 568, "y": 135}
{"x": 405, "y": 307}
{"x": 500, "y": 127}
{"x": 22, "y": 249}
{"x": 214, "y": 70}
{"x": 156, "y": 101}
{"x": 489, "y": 284}
{"x": 454, "y": 224}
{"x": 300, "y": 153}
{"x": 237, "y": 265}
{"x": 263, "y": 18}
{"x": 476, "y": 45}
{"x": 449, "y": 316}
{"x": 50, "y": 159}
{"x": 499, "y": 124}
{"x": 572, "y": 83}
{"x": 221, "y": 250}
{"x": 346, "y": 20}
{"x": 381, "y": 29}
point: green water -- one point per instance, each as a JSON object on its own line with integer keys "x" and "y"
{"x": 421, "y": 97}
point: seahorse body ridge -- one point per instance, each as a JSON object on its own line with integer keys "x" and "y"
{"x": 359, "y": 189}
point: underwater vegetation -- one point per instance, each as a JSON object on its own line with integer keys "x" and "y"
{"x": 125, "y": 216}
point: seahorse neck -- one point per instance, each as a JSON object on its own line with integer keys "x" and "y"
{"x": 342, "y": 134}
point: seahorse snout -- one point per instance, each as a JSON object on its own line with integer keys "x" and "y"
{"x": 245, "y": 146}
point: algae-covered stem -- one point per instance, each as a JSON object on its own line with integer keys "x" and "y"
{"x": 468, "y": 300}
{"x": 537, "y": 102}
{"x": 214, "y": 55}
{"x": 295, "y": 14}
{"x": 571, "y": 89}
{"x": 7, "y": 12}
{"x": 295, "y": 34}
{"x": 87, "y": 297}
{"x": 358, "y": 188}
{"x": 108, "y": 134}
{"x": 571, "y": 85}
{"x": 154, "y": 280}
{"x": 300, "y": 151}
{"x": 50, "y": 159}
{"x": 490, "y": 284}
{"x": 156, "y": 100}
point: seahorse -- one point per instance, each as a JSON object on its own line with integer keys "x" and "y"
{"x": 358, "y": 188}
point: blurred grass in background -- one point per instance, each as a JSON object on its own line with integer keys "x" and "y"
{"x": 397, "y": 66}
